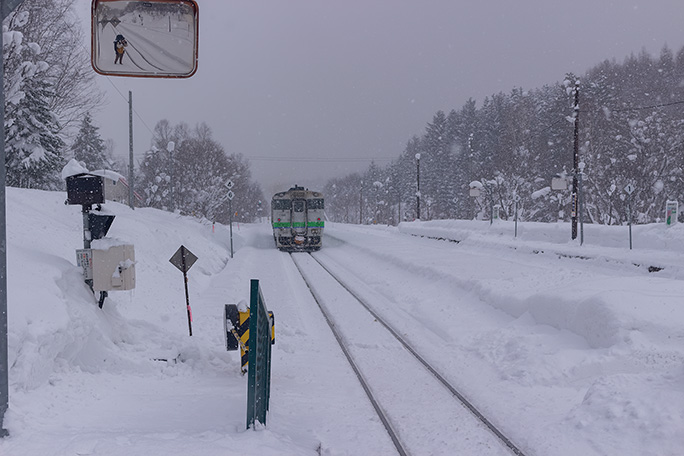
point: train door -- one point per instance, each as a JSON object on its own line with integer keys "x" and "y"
{"x": 299, "y": 217}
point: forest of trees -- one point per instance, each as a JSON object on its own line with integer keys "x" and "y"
{"x": 50, "y": 95}
{"x": 187, "y": 170}
{"x": 630, "y": 132}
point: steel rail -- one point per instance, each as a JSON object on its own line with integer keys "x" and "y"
{"x": 364, "y": 384}
{"x": 461, "y": 398}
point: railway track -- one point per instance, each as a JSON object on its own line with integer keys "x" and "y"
{"x": 421, "y": 410}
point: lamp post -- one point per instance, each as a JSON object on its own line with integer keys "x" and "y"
{"x": 516, "y": 199}
{"x": 581, "y": 166}
{"x": 418, "y": 186}
{"x": 170, "y": 148}
{"x": 361, "y": 204}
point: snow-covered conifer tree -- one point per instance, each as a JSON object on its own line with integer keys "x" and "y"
{"x": 88, "y": 147}
{"x": 33, "y": 147}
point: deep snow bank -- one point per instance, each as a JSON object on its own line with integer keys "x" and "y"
{"x": 53, "y": 321}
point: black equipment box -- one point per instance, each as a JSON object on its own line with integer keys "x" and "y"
{"x": 85, "y": 189}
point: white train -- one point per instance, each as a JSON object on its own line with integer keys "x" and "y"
{"x": 297, "y": 217}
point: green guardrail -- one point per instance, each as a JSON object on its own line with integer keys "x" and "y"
{"x": 259, "y": 374}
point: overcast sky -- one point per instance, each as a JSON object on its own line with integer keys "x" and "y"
{"x": 312, "y": 89}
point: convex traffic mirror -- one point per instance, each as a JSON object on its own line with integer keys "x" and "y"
{"x": 152, "y": 38}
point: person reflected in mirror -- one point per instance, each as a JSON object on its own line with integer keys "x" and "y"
{"x": 120, "y": 49}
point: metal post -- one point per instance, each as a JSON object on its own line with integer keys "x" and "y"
{"x": 4, "y": 369}
{"x": 6, "y": 7}
{"x": 87, "y": 236}
{"x": 515, "y": 203}
{"x": 130, "y": 150}
{"x": 575, "y": 183}
{"x": 581, "y": 208}
{"x": 361, "y": 204}
{"x": 170, "y": 147}
{"x": 230, "y": 209}
{"x": 629, "y": 218}
{"x": 187, "y": 296}
{"x": 490, "y": 197}
{"x": 418, "y": 186}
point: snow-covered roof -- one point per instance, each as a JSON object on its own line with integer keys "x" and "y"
{"x": 73, "y": 168}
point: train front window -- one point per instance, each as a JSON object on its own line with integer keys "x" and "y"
{"x": 315, "y": 204}
{"x": 298, "y": 206}
{"x": 281, "y": 204}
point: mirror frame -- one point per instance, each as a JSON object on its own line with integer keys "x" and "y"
{"x": 93, "y": 42}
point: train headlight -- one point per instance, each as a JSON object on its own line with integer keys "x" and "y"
{"x": 315, "y": 231}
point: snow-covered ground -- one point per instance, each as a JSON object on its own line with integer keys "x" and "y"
{"x": 570, "y": 349}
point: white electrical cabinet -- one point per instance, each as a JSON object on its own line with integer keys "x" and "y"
{"x": 111, "y": 269}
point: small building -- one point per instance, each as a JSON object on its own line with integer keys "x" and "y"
{"x": 116, "y": 187}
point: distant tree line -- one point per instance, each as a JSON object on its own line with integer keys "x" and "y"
{"x": 630, "y": 132}
{"x": 50, "y": 93}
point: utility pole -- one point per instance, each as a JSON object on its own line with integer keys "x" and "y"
{"x": 575, "y": 166}
{"x": 130, "y": 151}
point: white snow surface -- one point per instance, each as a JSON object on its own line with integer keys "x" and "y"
{"x": 571, "y": 349}
{"x": 73, "y": 168}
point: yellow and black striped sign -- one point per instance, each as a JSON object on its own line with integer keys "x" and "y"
{"x": 238, "y": 334}
{"x": 243, "y": 332}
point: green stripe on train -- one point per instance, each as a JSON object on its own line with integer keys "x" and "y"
{"x": 298, "y": 225}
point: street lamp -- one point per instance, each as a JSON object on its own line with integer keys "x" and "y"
{"x": 580, "y": 167}
{"x": 170, "y": 148}
{"x": 361, "y": 204}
